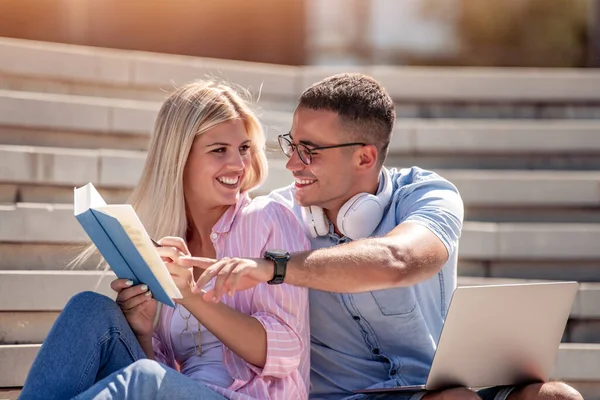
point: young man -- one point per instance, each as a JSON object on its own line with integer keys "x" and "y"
{"x": 385, "y": 246}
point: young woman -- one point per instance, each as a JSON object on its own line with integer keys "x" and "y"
{"x": 206, "y": 154}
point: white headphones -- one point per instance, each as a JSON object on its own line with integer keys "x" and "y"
{"x": 357, "y": 218}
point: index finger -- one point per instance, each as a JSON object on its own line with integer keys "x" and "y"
{"x": 176, "y": 242}
{"x": 200, "y": 262}
{"x": 206, "y": 276}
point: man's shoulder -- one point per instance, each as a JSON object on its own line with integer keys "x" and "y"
{"x": 264, "y": 205}
{"x": 284, "y": 196}
{"x": 413, "y": 178}
{"x": 273, "y": 206}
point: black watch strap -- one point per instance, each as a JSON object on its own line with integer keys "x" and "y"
{"x": 280, "y": 262}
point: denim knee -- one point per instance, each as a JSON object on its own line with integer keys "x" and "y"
{"x": 146, "y": 371}
{"x": 90, "y": 308}
{"x": 147, "y": 366}
{"x": 91, "y": 301}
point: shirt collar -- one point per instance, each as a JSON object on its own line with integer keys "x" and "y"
{"x": 224, "y": 223}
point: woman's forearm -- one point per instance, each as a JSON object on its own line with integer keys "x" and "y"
{"x": 146, "y": 344}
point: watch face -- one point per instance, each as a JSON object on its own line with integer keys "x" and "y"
{"x": 278, "y": 253}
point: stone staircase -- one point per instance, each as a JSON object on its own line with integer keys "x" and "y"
{"x": 523, "y": 147}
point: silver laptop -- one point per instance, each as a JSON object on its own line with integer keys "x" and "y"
{"x": 499, "y": 335}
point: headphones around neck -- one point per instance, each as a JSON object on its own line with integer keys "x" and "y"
{"x": 358, "y": 217}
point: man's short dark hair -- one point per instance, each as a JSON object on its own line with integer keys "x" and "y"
{"x": 364, "y": 106}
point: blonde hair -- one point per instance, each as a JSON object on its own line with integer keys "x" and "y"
{"x": 188, "y": 112}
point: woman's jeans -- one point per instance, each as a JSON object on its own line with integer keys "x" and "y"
{"x": 92, "y": 353}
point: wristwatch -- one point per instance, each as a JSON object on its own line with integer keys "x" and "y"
{"x": 280, "y": 259}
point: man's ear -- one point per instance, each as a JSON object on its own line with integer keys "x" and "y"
{"x": 367, "y": 156}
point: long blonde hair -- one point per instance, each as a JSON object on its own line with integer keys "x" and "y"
{"x": 188, "y": 112}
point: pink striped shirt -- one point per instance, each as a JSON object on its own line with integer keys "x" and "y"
{"x": 247, "y": 230}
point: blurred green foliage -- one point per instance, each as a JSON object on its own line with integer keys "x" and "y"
{"x": 529, "y": 33}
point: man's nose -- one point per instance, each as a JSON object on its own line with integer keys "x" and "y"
{"x": 294, "y": 163}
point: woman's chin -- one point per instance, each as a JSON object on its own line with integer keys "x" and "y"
{"x": 230, "y": 199}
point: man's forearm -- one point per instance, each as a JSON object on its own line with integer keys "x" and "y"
{"x": 359, "y": 266}
{"x": 407, "y": 255}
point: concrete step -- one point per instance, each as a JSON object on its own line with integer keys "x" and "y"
{"x": 116, "y": 119}
{"x": 526, "y": 188}
{"x": 15, "y": 363}
{"x": 56, "y": 111}
{"x": 572, "y": 211}
{"x": 47, "y": 174}
{"x": 25, "y": 327}
{"x": 30, "y": 318}
{"x": 86, "y": 122}
{"x": 58, "y": 256}
{"x": 47, "y": 256}
{"x": 33, "y": 193}
{"x": 9, "y": 394}
{"x": 502, "y": 161}
{"x": 419, "y": 92}
{"x": 529, "y": 241}
{"x": 27, "y": 320}
{"x": 130, "y": 74}
{"x": 77, "y": 139}
{"x": 48, "y": 165}
{"x": 55, "y": 224}
{"x": 532, "y": 214}
{"x": 562, "y": 270}
{"x": 576, "y": 364}
{"x": 52, "y": 289}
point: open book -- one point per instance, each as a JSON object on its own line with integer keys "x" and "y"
{"x": 119, "y": 235}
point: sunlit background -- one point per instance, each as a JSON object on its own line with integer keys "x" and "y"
{"x": 501, "y": 97}
{"x": 555, "y": 33}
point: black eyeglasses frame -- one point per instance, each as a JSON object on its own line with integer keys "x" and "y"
{"x": 294, "y": 147}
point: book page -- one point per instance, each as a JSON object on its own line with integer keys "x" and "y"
{"x": 87, "y": 197}
{"x": 132, "y": 225}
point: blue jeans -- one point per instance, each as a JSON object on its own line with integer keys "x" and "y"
{"x": 92, "y": 353}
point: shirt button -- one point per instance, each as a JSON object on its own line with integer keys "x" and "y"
{"x": 356, "y": 318}
{"x": 393, "y": 372}
{"x": 375, "y": 350}
{"x": 213, "y": 236}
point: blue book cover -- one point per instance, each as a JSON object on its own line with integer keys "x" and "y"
{"x": 122, "y": 240}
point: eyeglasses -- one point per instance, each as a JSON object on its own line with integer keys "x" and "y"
{"x": 187, "y": 330}
{"x": 304, "y": 152}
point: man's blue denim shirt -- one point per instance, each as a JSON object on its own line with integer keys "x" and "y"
{"x": 386, "y": 337}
